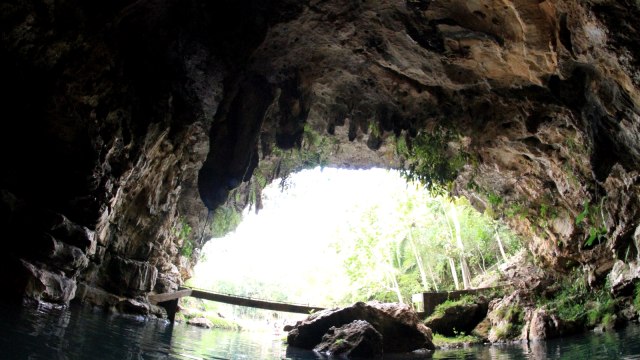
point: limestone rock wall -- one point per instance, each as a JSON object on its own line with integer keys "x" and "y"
{"x": 542, "y": 97}
{"x": 145, "y": 115}
{"x": 108, "y": 111}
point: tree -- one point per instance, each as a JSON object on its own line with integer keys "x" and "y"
{"x": 419, "y": 245}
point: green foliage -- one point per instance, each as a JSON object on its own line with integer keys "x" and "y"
{"x": 458, "y": 340}
{"x": 506, "y": 331}
{"x": 512, "y": 313}
{"x": 245, "y": 286}
{"x": 494, "y": 199}
{"x": 513, "y": 321}
{"x": 374, "y": 129}
{"x": 311, "y": 136}
{"x": 182, "y": 231}
{"x": 407, "y": 250}
{"x": 401, "y": 146}
{"x": 187, "y": 248}
{"x": 441, "y": 309}
{"x": 546, "y": 212}
{"x": 516, "y": 209}
{"x": 431, "y": 159}
{"x": 592, "y": 218}
{"x": 315, "y": 151}
{"x": 575, "y": 301}
{"x": 222, "y": 323}
{"x": 636, "y": 296}
{"x": 601, "y": 311}
{"x": 199, "y": 312}
{"x": 225, "y": 219}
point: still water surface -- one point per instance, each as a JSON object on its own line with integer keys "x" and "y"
{"x": 82, "y": 333}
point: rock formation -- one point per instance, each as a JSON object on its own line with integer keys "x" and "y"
{"x": 460, "y": 318}
{"x": 358, "y": 339}
{"x": 398, "y": 326}
{"x": 149, "y": 121}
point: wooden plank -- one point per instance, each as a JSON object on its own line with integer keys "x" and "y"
{"x": 260, "y": 304}
{"x": 158, "y": 298}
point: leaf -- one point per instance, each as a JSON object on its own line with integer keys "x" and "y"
{"x": 580, "y": 218}
{"x": 593, "y": 235}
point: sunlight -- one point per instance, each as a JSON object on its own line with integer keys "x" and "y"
{"x": 336, "y": 236}
{"x": 289, "y": 241}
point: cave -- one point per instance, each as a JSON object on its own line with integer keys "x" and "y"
{"x": 144, "y": 117}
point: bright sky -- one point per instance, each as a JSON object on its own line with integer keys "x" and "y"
{"x": 289, "y": 240}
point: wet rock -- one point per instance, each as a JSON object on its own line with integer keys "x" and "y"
{"x": 131, "y": 277}
{"x": 200, "y": 322}
{"x": 459, "y": 318}
{"x": 629, "y": 313}
{"x": 135, "y": 307}
{"x": 620, "y": 211}
{"x": 73, "y": 234}
{"x": 482, "y": 329}
{"x": 399, "y": 326}
{"x": 357, "y": 339}
{"x": 64, "y": 256}
{"x": 541, "y": 325}
{"x": 623, "y": 277}
{"x": 506, "y": 316}
{"x": 97, "y": 296}
{"x": 169, "y": 279}
{"x": 158, "y": 311}
{"x": 46, "y": 285}
{"x": 543, "y": 93}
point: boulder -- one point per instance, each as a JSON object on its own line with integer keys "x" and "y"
{"x": 131, "y": 277}
{"x": 459, "y": 318}
{"x": 542, "y": 325}
{"x": 398, "y": 324}
{"x": 200, "y": 322}
{"x": 135, "y": 307}
{"x": 43, "y": 284}
{"x": 96, "y": 296}
{"x": 358, "y": 339}
{"x": 65, "y": 257}
{"x": 623, "y": 277}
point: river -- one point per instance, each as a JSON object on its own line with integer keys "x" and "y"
{"x": 45, "y": 332}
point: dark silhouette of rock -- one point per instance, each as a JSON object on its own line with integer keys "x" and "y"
{"x": 357, "y": 339}
{"x": 399, "y": 326}
{"x": 129, "y": 120}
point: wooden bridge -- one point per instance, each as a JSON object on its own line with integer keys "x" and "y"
{"x": 169, "y": 301}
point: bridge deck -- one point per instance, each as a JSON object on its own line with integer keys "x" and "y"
{"x": 158, "y": 298}
{"x": 254, "y": 303}
{"x": 233, "y": 300}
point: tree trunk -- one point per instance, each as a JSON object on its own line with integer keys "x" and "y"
{"x": 423, "y": 276}
{"x": 504, "y": 256}
{"x": 454, "y": 274}
{"x": 396, "y": 287}
{"x": 466, "y": 276}
{"x": 483, "y": 266}
{"x": 433, "y": 278}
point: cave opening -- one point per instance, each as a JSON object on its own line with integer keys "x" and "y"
{"x": 330, "y": 237}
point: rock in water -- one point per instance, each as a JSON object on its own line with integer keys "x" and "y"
{"x": 399, "y": 326}
{"x": 459, "y": 318}
{"x": 200, "y": 322}
{"x": 357, "y": 338}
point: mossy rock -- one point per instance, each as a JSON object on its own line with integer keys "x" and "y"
{"x": 458, "y": 317}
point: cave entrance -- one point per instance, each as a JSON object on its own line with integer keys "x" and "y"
{"x": 329, "y": 237}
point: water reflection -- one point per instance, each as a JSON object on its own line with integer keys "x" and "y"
{"x": 83, "y": 333}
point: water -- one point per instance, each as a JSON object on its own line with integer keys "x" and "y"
{"x": 83, "y": 333}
